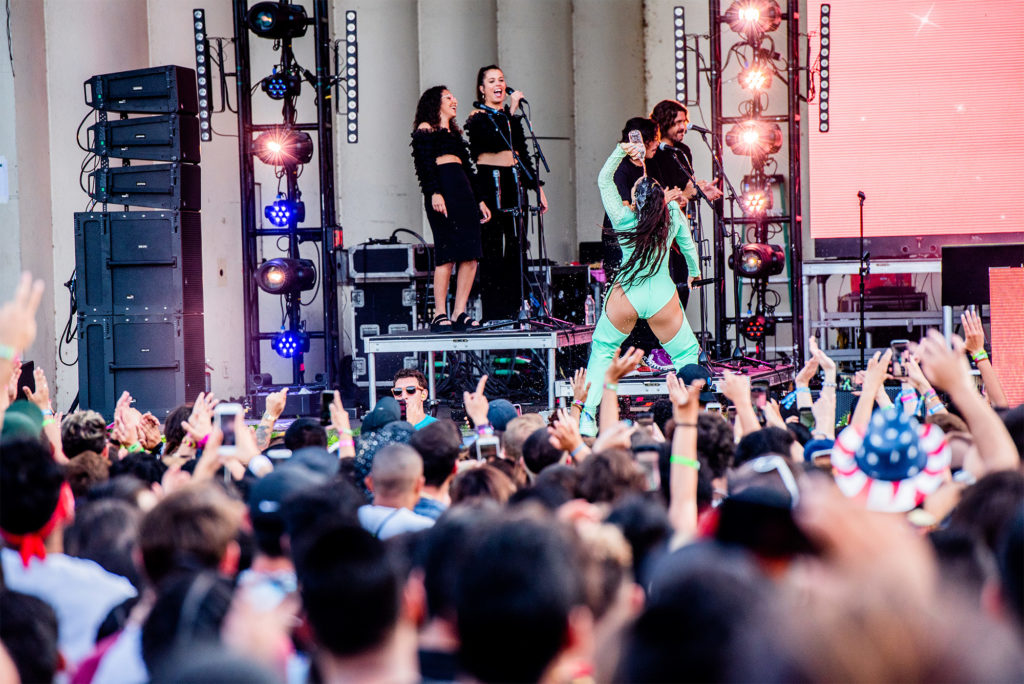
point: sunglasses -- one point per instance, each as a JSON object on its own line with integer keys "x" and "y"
{"x": 410, "y": 390}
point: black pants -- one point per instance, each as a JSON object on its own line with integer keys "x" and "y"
{"x": 500, "y": 270}
{"x": 642, "y": 336}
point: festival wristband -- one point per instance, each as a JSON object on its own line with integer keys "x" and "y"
{"x": 345, "y": 443}
{"x": 7, "y": 352}
{"x": 803, "y": 388}
{"x": 979, "y": 356}
{"x": 580, "y": 404}
{"x": 577, "y": 450}
{"x": 48, "y": 421}
{"x": 135, "y": 448}
{"x": 613, "y": 386}
{"x": 828, "y": 384}
{"x": 683, "y": 460}
{"x": 346, "y": 431}
{"x": 485, "y": 429}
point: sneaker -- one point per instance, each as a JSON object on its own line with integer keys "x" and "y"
{"x": 659, "y": 360}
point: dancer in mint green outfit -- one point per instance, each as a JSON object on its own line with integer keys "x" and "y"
{"x": 643, "y": 287}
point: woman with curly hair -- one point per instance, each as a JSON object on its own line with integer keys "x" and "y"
{"x": 448, "y": 182}
{"x": 642, "y": 288}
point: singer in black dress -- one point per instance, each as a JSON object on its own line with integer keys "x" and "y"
{"x": 489, "y": 133}
{"x": 454, "y": 211}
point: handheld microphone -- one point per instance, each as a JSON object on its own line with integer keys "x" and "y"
{"x": 509, "y": 91}
{"x": 497, "y": 189}
{"x": 694, "y": 127}
{"x": 490, "y": 110}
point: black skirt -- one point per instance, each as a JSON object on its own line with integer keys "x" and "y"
{"x": 456, "y": 236}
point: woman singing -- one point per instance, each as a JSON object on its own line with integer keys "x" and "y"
{"x": 489, "y": 137}
{"x": 448, "y": 183}
{"x": 642, "y": 288}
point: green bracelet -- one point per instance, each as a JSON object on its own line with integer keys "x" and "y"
{"x": 7, "y": 352}
{"x": 979, "y": 356}
{"x": 614, "y": 387}
{"x": 135, "y": 448}
{"x": 683, "y": 460}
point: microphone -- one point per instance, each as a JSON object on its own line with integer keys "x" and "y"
{"x": 497, "y": 189}
{"x": 509, "y": 91}
{"x": 666, "y": 146}
{"x": 694, "y": 127}
{"x": 861, "y": 195}
{"x": 704, "y": 281}
{"x": 490, "y": 110}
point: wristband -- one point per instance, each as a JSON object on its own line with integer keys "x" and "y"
{"x": 937, "y": 408}
{"x": 802, "y": 388}
{"x": 683, "y": 460}
{"x": 572, "y": 454}
{"x": 613, "y": 386}
{"x": 346, "y": 431}
{"x": 930, "y": 394}
{"x": 134, "y": 448}
{"x": 980, "y": 355}
{"x": 47, "y": 421}
{"x": 581, "y": 404}
{"x": 828, "y": 384}
{"x": 201, "y": 444}
{"x": 345, "y": 442}
{"x": 485, "y": 429}
{"x": 693, "y": 425}
{"x": 7, "y": 353}
{"x": 47, "y": 412}
{"x": 268, "y": 416}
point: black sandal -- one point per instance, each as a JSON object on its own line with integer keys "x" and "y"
{"x": 441, "y": 324}
{"x": 463, "y": 322}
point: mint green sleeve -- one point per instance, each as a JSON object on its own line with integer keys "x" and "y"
{"x": 684, "y": 238}
{"x": 613, "y": 206}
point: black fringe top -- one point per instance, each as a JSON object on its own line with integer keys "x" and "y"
{"x": 427, "y": 146}
{"x": 484, "y": 137}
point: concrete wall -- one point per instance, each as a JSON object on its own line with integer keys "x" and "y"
{"x": 584, "y": 65}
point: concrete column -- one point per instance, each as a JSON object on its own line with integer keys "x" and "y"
{"x": 83, "y": 39}
{"x": 535, "y": 45}
{"x": 375, "y": 180}
{"x": 608, "y": 88}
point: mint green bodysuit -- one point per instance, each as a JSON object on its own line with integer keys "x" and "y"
{"x": 650, "y": 295}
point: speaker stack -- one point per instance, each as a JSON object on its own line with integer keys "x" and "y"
{"x": 139, "y": 274}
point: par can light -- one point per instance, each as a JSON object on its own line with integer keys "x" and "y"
{"x": 757, "y": 260}
{"x": 283, "y": 147}
{"x": 285, "y": 211}
{"x": 289, "y": 343}
{"x": 277, "y": 20}
{"x": 279, "y": 86}
{"x": 284, "y": 276}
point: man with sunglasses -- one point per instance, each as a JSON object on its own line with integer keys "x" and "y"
{"x": 410, "y": 390}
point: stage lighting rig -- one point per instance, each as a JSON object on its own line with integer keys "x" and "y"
{"x": 277, "y": 20}
{"x": 280, "y": 85}
{"x": 289, "y": 343}
{"x": 757, "y": 260}
{"x": 283, "y": 147}
{"x": 753, "y": 18}
{"x": 757, "y": 77}
{"x": 755, "y": 328}
{"x": 753, "y": 138}
{"x": 285, "y": 276}
{"x": 284, "y": 211}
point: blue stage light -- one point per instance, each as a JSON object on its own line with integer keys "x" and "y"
{"x": 288, "y": 343}
{"x": 284, "y": 211}
{"x": 280, "y": 85}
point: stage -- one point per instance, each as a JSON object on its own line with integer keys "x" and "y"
{"x": 496, "y": 340}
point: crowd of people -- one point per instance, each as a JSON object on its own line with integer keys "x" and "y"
{"x": 775, "y": 541}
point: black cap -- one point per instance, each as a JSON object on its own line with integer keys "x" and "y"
{"x": 692, "y": 371}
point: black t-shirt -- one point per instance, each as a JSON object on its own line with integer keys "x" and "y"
{"x": 661, "y": 166}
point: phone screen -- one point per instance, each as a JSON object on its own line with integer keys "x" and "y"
{"x": 898, "y": 347}
{"x": 648, "y": 462}
{"x": 486, "y": 448}
{"x": 227, "y": 427}
{"x": 326, "y": 399}
{"x": 807, "y": 418}
{"x": 759, "y": 393}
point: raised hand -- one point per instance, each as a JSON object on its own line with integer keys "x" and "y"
{"x": 276, "y": 402}
{"x": 736, "y": 388}
{"x": 564, "y": 433}
{"x": 685, "y": 400}
{"x": 18, "y": 315}
{"x": 579, "y": 384}
{"x": 149, "y": 431}
{"x": 623, "y": 365}
{"x": 807, "y": 373}
{"x": 476, "y": 403}
{"x": 946, "y": 368}
{"x": 974, "y": 332}
{"x": 616, "y": 436}
{"x": 41, "y": 397}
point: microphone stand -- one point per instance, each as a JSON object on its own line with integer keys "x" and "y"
{"x": 865, "y": 270}
{"x": 539, "y": 161}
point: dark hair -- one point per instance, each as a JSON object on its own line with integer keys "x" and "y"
{"x": 610, "y": 475}
{"x": 142, "y": 465}
{"x": 564, "y": 477}
{"x": 349, "y": 589}
{"x": 106, "y": 531}
{"x": 83, "y": 431}
{"x": 188, "y": 612}
{"x": 121, "y": 488}
{"x": 965, "y": 564}
{"x": 421, "y": 379}
{"x": 517, "y": 587}
{"x": 335, "y": 502}
{"x": 769, "y": 440}
{"x": 29, "y": 633}
{"x": 428, "y": 110}
{"x": 539, "y": 453}
{"x": 800, "y": 432}
{"x": 700, "y": 599}
{"x": 480, "y": 74}
{"x": 86, "y": 470}
{"x": 646, "y": 527}
{"x": 649, "y": 238}
{"x": 1013, "y": 419}
{"x": 648, "y": 129}
{"x": 988, "y": 505}
{"x": 664, "y": 114}
{"x": 485, "y": 482}
{"x": 304, "y": 432}
{"x": 438, "y": 445}
{"x": 716, "y": 443}
{"x": 440, "y": 553}
{"x": 174, "y": 434}
{"x": 1010, "y": 557}
{"x": 30, "y": 481}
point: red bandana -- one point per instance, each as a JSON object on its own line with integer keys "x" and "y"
{"x": 33, "y": 543}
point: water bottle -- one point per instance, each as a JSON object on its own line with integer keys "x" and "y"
{"x": 590, "y": 311}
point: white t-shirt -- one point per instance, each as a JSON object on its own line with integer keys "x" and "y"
{"x": 123, "y": 663}
{"x": 80, "y": 591}
{"x": 385, "y": 522}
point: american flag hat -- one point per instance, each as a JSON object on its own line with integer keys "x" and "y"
{"x": 893, "y": 465}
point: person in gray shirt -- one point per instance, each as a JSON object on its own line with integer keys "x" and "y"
{"x": 396, "y": 480}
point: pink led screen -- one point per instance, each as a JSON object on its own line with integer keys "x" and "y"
{"x": 926, "y": 116}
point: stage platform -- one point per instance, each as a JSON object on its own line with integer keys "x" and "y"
{"x": 654, "y": 385}
{"x": 492, "y": 340}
